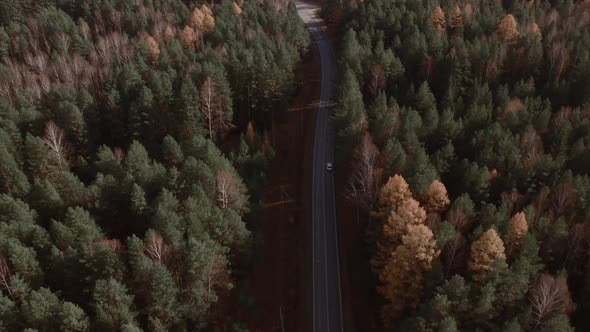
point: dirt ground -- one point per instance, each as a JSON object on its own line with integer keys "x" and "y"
{"x": 281, "y": 276}
{"x": 359, "y": 298}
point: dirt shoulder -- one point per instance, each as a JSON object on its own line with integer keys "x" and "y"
{"x": 281, "y": 277}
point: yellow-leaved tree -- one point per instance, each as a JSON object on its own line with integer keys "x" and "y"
{"x": 486, "y": 250}
{"x": 456, "y": 18}
{"x": 402, "y": 276}
{"x": 436, "y": 199}
{"x": 507, "y": 29}
{"x": 393, "y": 193}
{"x": 438, "y": 19}
{"x": 408, "y": 213}
{"x": 517, "y": 229}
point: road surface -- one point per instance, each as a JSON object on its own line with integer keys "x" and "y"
{"x": 327, "y": 303}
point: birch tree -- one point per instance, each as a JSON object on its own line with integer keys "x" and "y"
{"x": 214, "y": 110}
{"x": 55, "y": 139}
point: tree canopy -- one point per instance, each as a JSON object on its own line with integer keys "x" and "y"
{"x": 482, "y": 108}
{"x": 123, "y": 207}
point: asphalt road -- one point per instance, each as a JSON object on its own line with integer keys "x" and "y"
{"x": 327, "y": 298}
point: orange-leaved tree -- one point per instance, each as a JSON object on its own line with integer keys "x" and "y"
{"x": 507, "y": 31}
{"x": 407, "y": 214}
{"x": 517, "y": 229}
{"x": 438, "y": 19}
{"x": 485, "y": 251}
{"x": 436, "y": 199}
{"x": 393, "y": 193}
{"x": 402, "y": 276}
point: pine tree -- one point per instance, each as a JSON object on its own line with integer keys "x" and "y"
{"x": 172, "y": 152}
{"x": 187, "y": 105}
{"x": 423, "y": 172}
{"x": 137, "y": 159}
{"x": 9, "y": 319}
{"x": 352, "y": 54}
{"x": 12, "y": 179}
{"x": 73, "y": 318}
{"x": 426, "y": 107}
{"x": 449, "y": 324}
{"x": 113, "y": 305}
{"x": 37, "y": 161}
{"x": 394, "y": 156}
{"x": 160, "y": 294}
{"x": 44, "y": 196}
{"x": 383, "y": 120}
{"x": 40, "y": 309}
{"x": 138, "y": 202}
{"x": 349, "y": 116}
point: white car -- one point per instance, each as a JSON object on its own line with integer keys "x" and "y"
{"x": 329, "y": 167}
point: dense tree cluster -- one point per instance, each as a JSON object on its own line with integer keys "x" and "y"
{"x": 490, "y": 101}
{"x": 118, "y": 209}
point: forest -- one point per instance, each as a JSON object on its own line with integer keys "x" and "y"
{"x": 134, "y": 139}
{"x": 471, "y": 122}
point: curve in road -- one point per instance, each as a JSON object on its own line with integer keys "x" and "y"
{"x": 327, "y": 297}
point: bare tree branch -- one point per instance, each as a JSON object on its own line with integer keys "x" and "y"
{"x": 363, "y": 185}
{"x": 55, "y": 139}
{"x": 156, "y": 248}
{"x": 213, "y": 109}
{"x": 5, "y": 275}
{"x": 549, "y": 297}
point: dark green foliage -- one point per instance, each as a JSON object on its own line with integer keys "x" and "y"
{"x": 502, "y": 123}
{"x": 113, "y": 305}
{"x": 105, "y": 159}
{"x": 349, "y": 116}
{"x": 73, "y": 318}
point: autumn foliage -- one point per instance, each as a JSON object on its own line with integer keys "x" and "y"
{"x": 436, "y": 198}
{"x": 202, "y": 20}
{"x": 188, "y": 37}
{"x": 507, "y": 29}
{"x": 406, "y": 250}
{"x": 402, "y": 275}
{"x": 485, "y": 251}
{"x": 517, "y": 229}
{"x": 456, "y": 18}
{"x": 490, "y": 131}
{"x": 438, "y": 19}
{"x": 153, "y": 47}
{"x": 393, "y": 193}
{"x": 408, "y": 213}
{"x": 119, "y": 210}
